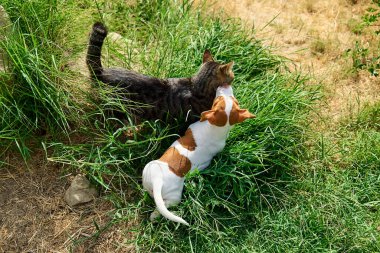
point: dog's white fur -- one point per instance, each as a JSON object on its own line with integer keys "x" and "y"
{"x": 164, "y": 185}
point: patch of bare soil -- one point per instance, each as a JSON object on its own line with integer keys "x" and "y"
{"x": 315, "y": 36}
{"x": 35, "y": 218}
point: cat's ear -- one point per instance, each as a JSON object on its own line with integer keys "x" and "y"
{"x": 227, "y": 68}
{"x": 244, "y": 114}
{"x": 207, "y": 56}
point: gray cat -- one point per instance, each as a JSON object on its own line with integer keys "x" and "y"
{"x": 167, "y": 99}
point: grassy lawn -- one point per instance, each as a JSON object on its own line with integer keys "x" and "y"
{"x": 280, "y": 185}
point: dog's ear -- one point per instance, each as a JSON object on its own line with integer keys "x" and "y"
{"x": 215, "y": 117}
{"x": 207, "y": 56}
{"x": 239, "y": 115}
{"x": 244, "y": 114}
{"x": 207, "y": 115}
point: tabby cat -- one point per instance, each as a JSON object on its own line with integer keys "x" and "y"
{"x": 167, "y": 99}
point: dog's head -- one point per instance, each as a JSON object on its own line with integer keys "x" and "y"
{"x": 225, "y": 109}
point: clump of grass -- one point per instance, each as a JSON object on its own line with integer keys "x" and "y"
{"x": 331, "y": 197}
{"x": 356, "y": 26}
{"x": 319, "y": 46}
{"x": 367, "y": 118}
{"x": 278, "y": 27}
{"x": 297, "y": 23}
{"x": 366, "y": 55}
{"x": 33, "y": 100}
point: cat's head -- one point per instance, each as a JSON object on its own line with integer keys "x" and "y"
{"x": 213, "y": 74}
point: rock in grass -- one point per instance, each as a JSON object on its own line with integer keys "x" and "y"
{"x": 80, "y": 191}
{"x": 5, "y": 24}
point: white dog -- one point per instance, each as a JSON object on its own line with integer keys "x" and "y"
{"x": 164, "y": 178}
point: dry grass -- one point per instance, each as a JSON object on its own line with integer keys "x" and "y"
{"x": 309, "y": 6}
{"x": 314, "y": 35}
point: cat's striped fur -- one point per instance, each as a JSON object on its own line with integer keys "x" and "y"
{"x": 168, "y": 98}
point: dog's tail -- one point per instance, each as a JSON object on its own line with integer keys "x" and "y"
{"x": 93, "y": 59}
{"x": 157, "y": 187}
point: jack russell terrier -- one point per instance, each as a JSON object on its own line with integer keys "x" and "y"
{"x": 164, "y": 178}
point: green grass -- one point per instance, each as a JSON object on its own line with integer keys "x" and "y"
{"x": 276, "y": 187}
{"x": 33, "y": 98}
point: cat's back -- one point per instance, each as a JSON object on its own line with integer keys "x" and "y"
{"x": 129, "y": 78}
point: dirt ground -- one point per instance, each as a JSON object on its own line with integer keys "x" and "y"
{"x": 313, "y": 34}
{"x": 35, "y": 218}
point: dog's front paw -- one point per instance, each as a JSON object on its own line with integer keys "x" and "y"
{"x": 154, "y": 215}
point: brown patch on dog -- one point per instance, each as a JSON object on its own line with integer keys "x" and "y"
{"x": 217, "y": 115}
{"x": 238, "y": 115}
{"x": 177, "y": 163}
{"x": 187, "y": 141}
{"x": 234, "y": 115}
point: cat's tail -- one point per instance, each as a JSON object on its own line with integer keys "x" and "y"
{"x": 157, "y": 187}
{"x": 93, "y": 59}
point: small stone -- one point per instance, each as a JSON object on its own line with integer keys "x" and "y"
{"x": 114, "y": 36}
{"x": 80, "y": 191}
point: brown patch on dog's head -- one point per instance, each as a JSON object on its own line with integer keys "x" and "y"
{"x": 177, "y": 163}
{"x": 238, "y": 115}
{"x": 187, "y": 141}
{"x": 217, "y": 115}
